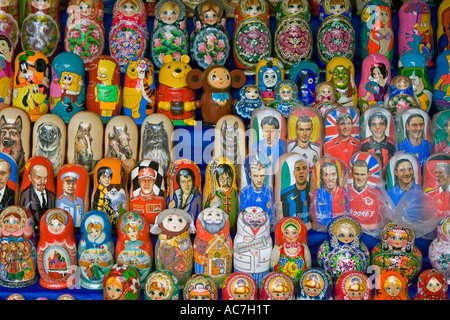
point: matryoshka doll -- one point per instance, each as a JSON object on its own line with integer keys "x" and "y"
{"x": 401, "y": 95}
{"x": 277, "y": 286}
{"x": 314, "y": 284}
{"x": 239, "y": 286}
{"x": 252, "y": 37}
{"x": 31, "y": 83}
{"x": 57, "y": 250}
{"x": 441, "y": 132}
{"x": 9, "y": 21}
{"x": 441, "y": 81}
{"x": 128, "y": 38}
{"x": 443, "y": 30}
{"x": 393, "y": 286}
{"x": 440, "y": 247}
{"x": 325, "y": 97}
{"x": 344, "y": 249}
{"x": 104, "y": 92}
{"x": 18, "y": 250}
{"x": 335, "y": 8}
{"x": 250, "y": 100}
{"x": 161, "y": 285}
{"x": 269, "y": 71}
{"x": 95, "y": 249}
{"x": 6, "y": 69}
{"x": 85, "y": 33}
{"x": 134, "y": 246}
{"x": 340, "y": 72}
{"x": 169, "y": 36}
{"x": 209, "y": 42}
{"x": 415, "y": 30}
{"x": 121, "y": 283}
{"x": 397, "y": 250}
{"x": 432, "y": 285}
{"x": 286, "y": 96}
{"x": 67, "y": 89}
{"x": 353, "y": 285}
{"x": 10, "y": 181}
{"x": 200, "y": 287}
{"x": 436, "y": 183}
{"x": 306, "y": 75}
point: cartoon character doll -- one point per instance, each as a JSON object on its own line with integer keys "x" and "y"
{"x": 443, "y": 31}
{"x": 286, "y": 96}
{"x": 441, "y": 88}
{"x": 306, "y": 75}
{"x": 341, "y": 72}
{"x": 6, "y": 71}
{"x": 269, "y": 71}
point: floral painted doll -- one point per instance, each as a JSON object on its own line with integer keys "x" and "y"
{"x": 439, "y": 248}
{"x": 122, "y": 283}
{"x": 161, "y": 285}
{"x": 285, "y": 96}
{"x": 353, "y": 285}
{"x": 251, "y": 99}
{"x": 432, "y": 285}
{"x": 200, "y": 287}
{"x": 9, "y": 21}
{"x": 401, "y": 95}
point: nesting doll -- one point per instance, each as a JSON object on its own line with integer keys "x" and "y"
{"x": 147, "y": 189}
{"x": 161, "y": 285}
{"x": 169, "y": 37}
{"x": 306, "y": 75}
{"x": 401, "y": 95}
{"x": 41, "y": 27}
{"x": 173, "y": 250}
{"x": 290, "y": 254}
{"x": 128, "y": 37}
{"x": 353, "y": 285}
{"x": 85, "y": 140}
{"x": 269, "y": 71}
{"x": 85, "y": 33}
{"x": 139, "y": 91}
{"x": 250, "y": 99}
{"x": 9, "y": 184}
{"x": 443, "y": 31}
{"x": 216, "y": 100}
{"x": 229, "y": 139}
{"x": 328, "y": 195}
{"x": 397, "y": 250}
{"x": 314, "y": 284}
{"x": 432, "y": 285}
{"x": 122, "y": 137}
{"x": 436, "y": 182}
{"x": 31, "y": 83}
{"x": 341, "y": 73}
{"x": 360, "y": 4}
{"x": 376, "y": 79}
{"x": 415, "y": 30}
{"x": 121, "y": 283}
{"x": 441, "y": 132}
{"x": 72, "y": 191}
{"x": 16, "y": 296}
{"x": 277, "y": 286}
{"x": 134, "y": 246}
{"x": 325, "y": 97}
{"x": 37, "y": 192}
{"x": 56, "y": 250}
{"x": 9, "y": 22}
{"x": 344, "y": 249}
{"x": 239, "y": 286}
{"x": 200, "y": 287}
{"x": 95, "y": 249}
{"x": 440, "y": 247}
{"x": 104, "y": 93}
{"x": 393, "y": 286}
{"x": 18, "y": 250}
{"x": 6, "y": 68}
{"x": 110, "y": 192}
{"x": 209, "y": 42}
{"x": 441, "y": 90}
{"x": 252, "y": 247}
{"x": 286, "y": 96}
{"x": 252, "y": 37}
{"x": 335, "y": 8}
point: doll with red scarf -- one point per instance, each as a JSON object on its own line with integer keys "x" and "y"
{"x": 431, "y": 285}
{"x": 353, "y": 285}
{"x": 122, "y": 283}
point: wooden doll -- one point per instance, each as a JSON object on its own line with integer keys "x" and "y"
{"x": 306, "y": 75}
{"x": 268, "y": 72}
{"x": 432, "y": 285}
{"x": 31, "y": 83}
{"x": 121, "y": 283}
{"x": 173, "y": 250}
{"x": 9, "y": 182}
{"x": 184, "y": 182}
{"x": 277, "y": 286}
{"x": 16, "y": 296}
{"x": 341, "y": 72}
{"x": 85, "y": 140}
{"x": 104, "y": 93}
{"x": 291, "y": 248}
{"x": 401, "y": 95}
{"x": 440, "y": 247}
{"x": 286, "y": 8}
{"x": 56, "y": 250}
{"x": 239, "y": 286}
{"x": 393, "y": 286}
{"x": 49, "y": 140}
{"x": 122, "y": 136}
{"x": 441, "y": 137}
{"x": 335, "y": 7}
{"x": 95, "y": 249}
{"x": 397, "y": 250}
{"x": 161, "y": 285}
{"x": 134, "y": 246}
{"x": 6, "y": 68}
{"x": 415, "y": 30}
{"x": 325, "y": 97}
{"x": 216, "y": 82}
{"x": 229, "y": 140}
{"x": 169, "y": 36}
{"x": 200, "y": 287}
{"x": 67, "y": 89}
{"x": 253, "y": 244}
{"x": 360, "y": 4}
{"x": 85, "y": 33}
{"x": 72, "y": 191}
{"x": 443, "y": 31}
{"x": 9, "y": 11}
{"x": 139, "y": 90}
{"x": 37, "y": 192}
{"x": 314, "y": 284}
{"x": 18, "y": 250}
{"x": 209, "y": 42}
{"x": 436, "y": 182}
{"x": 353, "y": 285}
{"x": 441, "y": 90}
{"x": 250, "y": 99}
{"x": 286, "y": 96}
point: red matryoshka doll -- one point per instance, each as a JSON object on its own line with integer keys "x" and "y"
{"x": 18, "y": 249}
{"x": 415, "y": 30}
{"x": 443, "y": 30}
{"x": 290, "y": 254}
{"x": 134, "y": 246}
{"x": 6, "y": 69}
{"x": 393, "y": 285}
{"x": 401, "y": 95}
{"x": 16, "y": 296}
{"x": 31, "y": 83}
{"x": 431, "y": 285}
{"x": 277, "y": 286}
{"x": 9, "y": 22}
{"x": 314, "y": 284}
{"x": 128, "y": 35}
{"x": 440, "y": 247}
{"x": 340, "y": 72}
{"x": 161, "y": 285}
{"x": 85, "y": 33}
{"x": 441, "y": 132}
{"x": 9, "y": 185}
{"x": 353, "y": 285}
{"x": 57, "y": 250}
{"x": 239, "y": 286}
{"x": 72, "y": 191}
{"x": 436, "y": 181}
{"x": 200, "y": 287}
{"x": 325, "y": 97}
{"x": 375, "y": 83}
{"x": 122, "y": 283}
{"x": 268, "y": 72}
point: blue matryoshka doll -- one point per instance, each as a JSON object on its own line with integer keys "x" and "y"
{"x": 306, "y": 75}
{"x": 251, "y": 99}
{"x": 285, "y": 96}
{"x": 401, "y": 95}
{"x": 269, "y": 71}
{"x": 314, "y": 284}
{"x": 441, "y": 81}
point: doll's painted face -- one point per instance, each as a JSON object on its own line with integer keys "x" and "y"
{"x": 290, "y": 234}
{"x": 356, "y": 291}
{"x": 337, "y": 8}
{"x": 398, "y": 239}
{"x": 286, "y": 93}
{"x": 11, "y": 223}
{"x": 279, "y": 290}
{"x": 219, "y": 78}
{"x": 5, "y": 50}
{"x": 402, "y": 83}
{"x": 434, "y": 285}
{"x": 253, "y": 10}
{"x": 169, "y": 14}
{"x": 132, "y": 233}
{"x": 325, "y": 92}
{"x": 270, "y": 78}
{"x": 241, "y": 291}
{"x": 384, "y": 17}
{"x": 114, "y": 290}
{"x": 295, "y": 8}
{"x": 252, "y": 93}
{"x": 210, "y": 17}
{"x": 312, "y": 286}
{"x": 95, "y": 232}
{"x": 85, "y": 9}
{"x": 56, "y": 226}
{"x": 341, "y": 77}
{"x": 393, "y": 286}
{"x": 128, "y": 9}
{"x": 346, "y": 233}
{"x": 174, "y": 223}
{"x": 157, "y": 291}
{"x": 41, "y": 4}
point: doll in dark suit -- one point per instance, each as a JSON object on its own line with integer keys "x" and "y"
{"x": 7, "y": 195}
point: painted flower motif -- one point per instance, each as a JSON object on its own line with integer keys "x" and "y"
{"x": 167, "y": 35}
{"x": 208, "y": 59}
{"x": 336, "y": 40}
{"x": 202, "y": 46}
{"x": 290, "y": 269}
{"x": 177, "y": 41}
